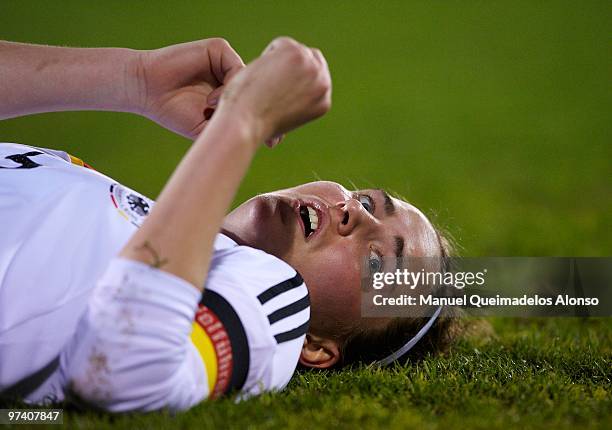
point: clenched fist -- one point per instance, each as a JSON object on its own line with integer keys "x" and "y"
{"x": 287, "y": 86}
{"x": 177, "y": 84}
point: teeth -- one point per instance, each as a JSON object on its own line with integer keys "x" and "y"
{"x": 314, "y": 219}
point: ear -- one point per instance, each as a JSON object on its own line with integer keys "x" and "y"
{"x": 319, "y": 352}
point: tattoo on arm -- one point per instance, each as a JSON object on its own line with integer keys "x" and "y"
{"x": 157, "y": 260}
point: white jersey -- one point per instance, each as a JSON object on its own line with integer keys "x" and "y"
{"x": 118, "y": 334}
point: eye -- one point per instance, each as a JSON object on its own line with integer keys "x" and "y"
{"x": 375, "y": 262}
{"x": 367, "y": 202}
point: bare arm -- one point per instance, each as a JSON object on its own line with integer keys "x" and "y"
{"x": 173, "y": 85}
{"x": 148, "y": 364}
{"x": 286, "y": 87}
{"x": 179, "y": 232}
{"x": 281, "y": 90}
{"x": 35, "y": 78}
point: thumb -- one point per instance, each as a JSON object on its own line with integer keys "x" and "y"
{"x": 279, "y": 42}
{"x": 231, "y": 73}
{"x": 225, "y": 62}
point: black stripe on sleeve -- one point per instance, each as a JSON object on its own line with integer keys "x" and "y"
{"x": 289, "y": 310}
{"x": 237, "y": 336}
{"x": 280, "y": 288}
{"x": 292, "y": 334}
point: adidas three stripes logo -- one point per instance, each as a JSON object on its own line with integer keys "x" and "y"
{"x": 286, "y": 311}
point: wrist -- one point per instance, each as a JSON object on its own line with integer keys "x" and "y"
{"x": 135, "y": 82}
{"x": 244, "y": 121}
{"x": 99, "y": 79}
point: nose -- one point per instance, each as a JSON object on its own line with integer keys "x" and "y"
{"x": 350, "y": 216}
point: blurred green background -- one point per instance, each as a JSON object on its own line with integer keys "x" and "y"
{"x": 494, "y": 116}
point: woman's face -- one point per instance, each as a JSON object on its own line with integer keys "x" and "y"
{"x": 327, "y": 233}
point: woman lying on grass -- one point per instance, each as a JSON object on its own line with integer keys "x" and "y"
{"x": 122, "y": 304}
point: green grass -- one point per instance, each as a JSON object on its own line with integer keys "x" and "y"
{"x": 493, "y": 115}
{"x": 541, "y": 373}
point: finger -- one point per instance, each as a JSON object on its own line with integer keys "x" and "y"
{"x": 324, "y": 103}
{"x": 316, "y": 53}
{"x": 225, "y": 61}
{"x": 277, "y": 43}
{"x": 213, "y": 98}
{"x": 273, "y": 141}
{"x": 271, "y": 46}
{"x": 231, "y": 73}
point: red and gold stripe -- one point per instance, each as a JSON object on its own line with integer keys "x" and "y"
{"x": 213, "y": 343}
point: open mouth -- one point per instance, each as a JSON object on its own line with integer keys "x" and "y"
{"x": 310, "y": 219}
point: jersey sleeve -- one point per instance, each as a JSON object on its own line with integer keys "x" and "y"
{"x": 132, "y": 349}
{"x": 150, "y": 340}
{"x": 273, "y": 305}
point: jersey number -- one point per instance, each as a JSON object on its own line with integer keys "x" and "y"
{"x": 24, "y": 160}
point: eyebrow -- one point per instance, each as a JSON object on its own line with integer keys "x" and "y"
{"x": 389, "y": 205}
{"x": 390, "y": 210}
{"x": 399, "y": 246}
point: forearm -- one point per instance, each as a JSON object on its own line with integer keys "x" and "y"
{"x": 35, "y": 78}
{"x": 179, "y": 233}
